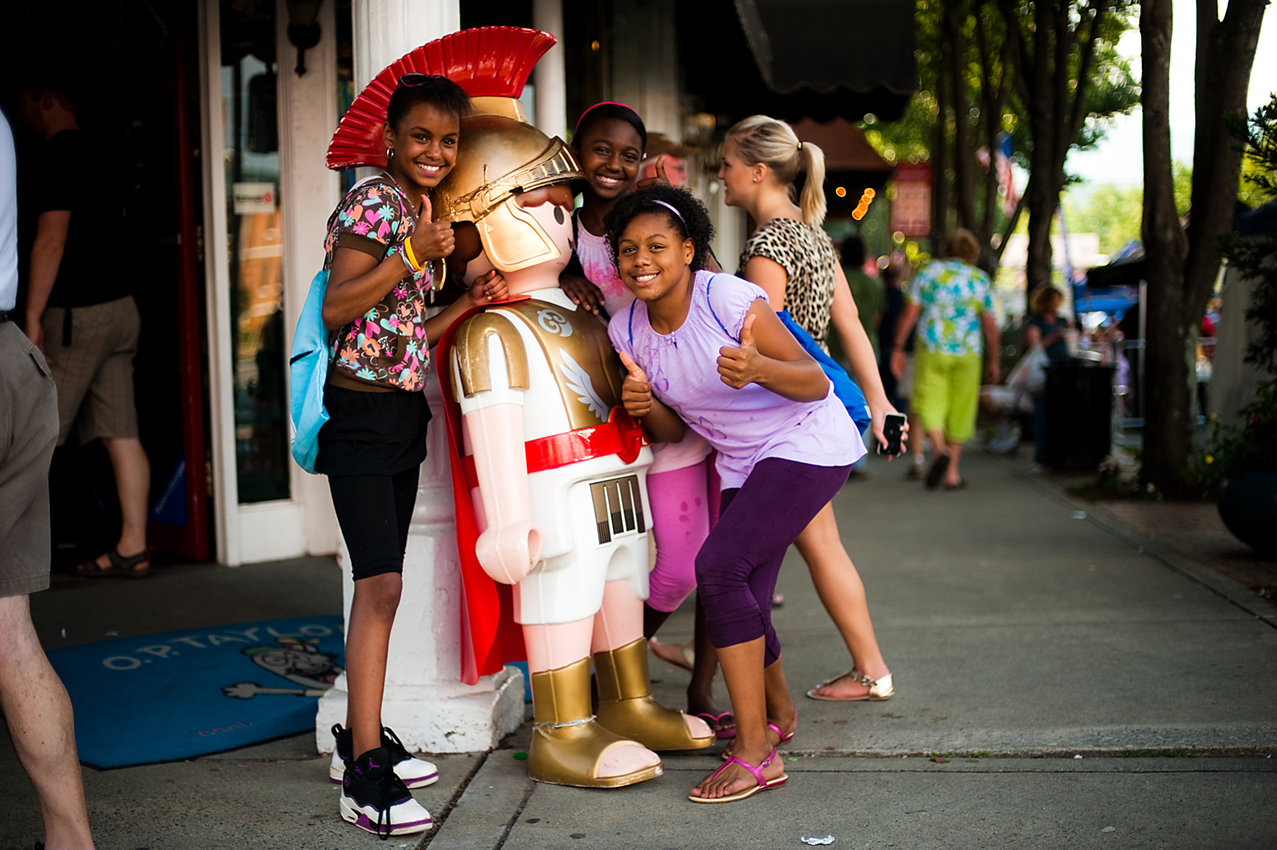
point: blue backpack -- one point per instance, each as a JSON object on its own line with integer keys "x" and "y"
{"x": 307, "y": 374}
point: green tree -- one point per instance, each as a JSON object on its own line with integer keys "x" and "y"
{"x": 1048, "y": 73}
{"x": 1072, "y": 82}
{"x": 1113, "y": 212}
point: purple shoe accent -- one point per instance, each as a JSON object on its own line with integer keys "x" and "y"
{"x": 412, "y": 826}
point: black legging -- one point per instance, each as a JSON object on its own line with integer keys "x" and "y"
{"x": 374, "y": 512}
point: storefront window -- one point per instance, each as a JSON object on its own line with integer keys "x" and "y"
{"x": 251, "y": 158}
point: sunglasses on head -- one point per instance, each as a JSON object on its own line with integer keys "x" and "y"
{"x": 414, "y": 78}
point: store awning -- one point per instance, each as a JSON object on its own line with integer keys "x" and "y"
{"x": 799, "y": 58}
{"x": 843, "y": 144}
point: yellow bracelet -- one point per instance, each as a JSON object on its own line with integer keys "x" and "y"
{"x": 412, "y": 258}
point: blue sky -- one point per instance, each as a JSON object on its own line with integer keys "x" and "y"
{"x": 1119, "y": 157}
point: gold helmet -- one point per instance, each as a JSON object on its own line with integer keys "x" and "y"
{"x": 501, "y": 154}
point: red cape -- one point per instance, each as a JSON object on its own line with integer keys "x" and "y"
{"x": 490, "y": 638}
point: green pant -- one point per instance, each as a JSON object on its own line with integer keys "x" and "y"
{"x": 946, "y": 393}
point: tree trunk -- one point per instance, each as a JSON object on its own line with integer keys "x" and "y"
{"x": 963, "y": 160}
{"x": 1225, "y": 56}
{"x": 1042, "y": 198}
{"x": 1167, "y": 426}
{"x": 1056, "y": 94}
{"x": 1181, "y": 271}
{"x": 939, "y": 167}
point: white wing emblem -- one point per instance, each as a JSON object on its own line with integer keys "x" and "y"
{"x": 579, "y": 382}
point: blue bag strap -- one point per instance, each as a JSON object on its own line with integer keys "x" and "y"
{"x": 710, "y": 302}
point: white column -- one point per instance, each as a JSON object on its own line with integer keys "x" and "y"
{"x": 645, "y": 63}
{"x": 424, "y": 702}
{"x": 549, "y": 78}
{"x": 384, "y": 30}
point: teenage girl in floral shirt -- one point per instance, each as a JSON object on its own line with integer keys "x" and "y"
{"x": 380, "y": 242}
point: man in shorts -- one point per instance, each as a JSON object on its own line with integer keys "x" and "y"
{"x": 35, "y": 703}
{"x": 80, "y": 314}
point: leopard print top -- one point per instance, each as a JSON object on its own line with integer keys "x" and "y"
{"x": 807, "y": 255}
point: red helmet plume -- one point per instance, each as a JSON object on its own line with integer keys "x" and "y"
{"x": 485, "y": 61}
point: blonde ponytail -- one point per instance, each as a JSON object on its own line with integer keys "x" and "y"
{"x": 760, "y": 139}
{"x": 812, "y": 160}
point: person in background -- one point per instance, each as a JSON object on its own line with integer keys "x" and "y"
{"x": 81, "y": 314}
{"x": 1047, "y": 328}
{"x": 34, "y": 701}
{"x": 893, "y": 305}
{"x": 951, "y": 302}
{"x": 899, "y": 389}
{"x": 868, "y": 292}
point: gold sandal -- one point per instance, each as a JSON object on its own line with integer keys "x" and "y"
{"x": 879, "y": 689}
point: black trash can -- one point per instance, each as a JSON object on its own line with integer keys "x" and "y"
{"x": 1079, "y": 414}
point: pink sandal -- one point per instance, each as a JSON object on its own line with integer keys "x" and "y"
{"x": 723, "y": 733}
{"x": 785, "y": 737}
{"x": 763, "y": 784}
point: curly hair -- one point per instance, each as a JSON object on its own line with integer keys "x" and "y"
{"x": 691, "y": 222}
{"x": 436, "y": 90}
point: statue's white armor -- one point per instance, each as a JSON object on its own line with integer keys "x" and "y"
{"x": 593, "y": 514}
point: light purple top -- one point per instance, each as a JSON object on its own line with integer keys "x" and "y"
{"x": 745, "y": 425}
{"x": 596, "y": 260}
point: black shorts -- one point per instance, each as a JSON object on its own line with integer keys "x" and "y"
{"x": 371, "y": 449}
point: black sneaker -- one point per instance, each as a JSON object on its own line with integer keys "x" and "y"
{"x": 415, "y": 772}
{"x": 374, "y": 799}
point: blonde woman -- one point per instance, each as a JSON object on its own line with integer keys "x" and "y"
{"x": 791, "y": 258}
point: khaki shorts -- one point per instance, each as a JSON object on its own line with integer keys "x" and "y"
{"x": 95, "y": 374}
{"x": 28, "y": 427}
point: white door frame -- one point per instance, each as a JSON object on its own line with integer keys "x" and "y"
{"x": 302, "y": 524}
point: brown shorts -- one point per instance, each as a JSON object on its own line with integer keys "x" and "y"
{"x": 95, "y": 373}
{"x": 28, "y": 427}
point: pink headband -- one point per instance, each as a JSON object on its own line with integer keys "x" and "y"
{"x": 577, "y": 128}
{"x": 672, "y": 209}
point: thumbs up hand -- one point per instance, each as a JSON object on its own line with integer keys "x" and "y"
{"x": 657, "y": 179}
{"x": 636, "y": 391}
{"x": 432, "y": 240}
{"x": 741, "y": 366}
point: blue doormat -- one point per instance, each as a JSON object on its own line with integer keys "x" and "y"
{"x": 176, "y": 695}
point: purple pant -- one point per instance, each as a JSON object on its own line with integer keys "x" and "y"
{"x": 736, "y": 569}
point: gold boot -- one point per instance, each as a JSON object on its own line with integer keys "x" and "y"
{"x": 568, "y": 745}
{"x": 626, "y": 706}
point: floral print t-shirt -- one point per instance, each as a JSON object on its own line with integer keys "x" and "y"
{"x": 951, "y": 295}
{"x": 387, "y": 345}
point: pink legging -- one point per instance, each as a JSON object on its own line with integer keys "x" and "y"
{"x": 682, "y": 515}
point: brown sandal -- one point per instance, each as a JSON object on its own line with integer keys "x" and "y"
{"x": 119, "y": 565}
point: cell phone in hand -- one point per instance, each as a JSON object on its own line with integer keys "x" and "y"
{"x": 892, "y": 429}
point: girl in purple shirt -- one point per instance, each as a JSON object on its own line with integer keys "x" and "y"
{"x": 705, "y": 351}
